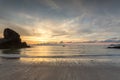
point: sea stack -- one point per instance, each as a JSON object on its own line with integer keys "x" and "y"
{"x": 11, "y": 40}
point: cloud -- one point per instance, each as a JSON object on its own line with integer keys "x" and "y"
{"x": 70, "y": 19}
{"x": 52, "y": 4}
{"x": 21, "y": 30}
{"x": 115, "y": 39}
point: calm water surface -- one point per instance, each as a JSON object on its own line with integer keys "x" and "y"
{"x": 69, "y": 53}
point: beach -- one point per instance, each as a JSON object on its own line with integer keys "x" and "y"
{"x": 72, "y": 62}
{"x": 59, "y": 39}
{"x": 15, "y": 70}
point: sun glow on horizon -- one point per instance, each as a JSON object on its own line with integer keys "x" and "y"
{"x": 35, "y": 39}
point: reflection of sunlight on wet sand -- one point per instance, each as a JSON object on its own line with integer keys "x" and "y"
{"x": 63, "y": 61}
{"x": 46, "y": 51}
{"x": 38, "y": 51}
{"x": 64, "y": 55}
{"x": 49, "y": 51}
{"x": 35, "y": 60}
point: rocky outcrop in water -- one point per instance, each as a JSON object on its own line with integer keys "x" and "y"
{"x": 11, "y": 40}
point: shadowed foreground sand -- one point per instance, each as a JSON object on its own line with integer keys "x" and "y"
{"x": 15, "y": 70}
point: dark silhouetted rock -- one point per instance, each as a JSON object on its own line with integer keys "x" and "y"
{"x": 11, "y": 40}
{"x": 116, "y": 46}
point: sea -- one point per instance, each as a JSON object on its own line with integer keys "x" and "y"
{"x": 74, "y": 53}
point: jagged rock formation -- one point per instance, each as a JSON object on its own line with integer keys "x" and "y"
{"x": 11, "y": 40}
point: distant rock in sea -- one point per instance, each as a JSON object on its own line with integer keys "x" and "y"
{"x": 11, "y": 40}
{"x": 116, "y": 46}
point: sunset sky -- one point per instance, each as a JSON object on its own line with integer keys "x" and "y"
{"x": 61, "y": 20}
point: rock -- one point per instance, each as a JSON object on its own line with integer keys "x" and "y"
{"x": 115, "y": 46}
{"x": 10, "y": 34}
{"x": 11, "y": 40}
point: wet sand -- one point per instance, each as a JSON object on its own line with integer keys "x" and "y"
{"x": 15, "y": 70}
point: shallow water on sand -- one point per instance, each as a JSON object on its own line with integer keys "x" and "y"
{"x": 70, "y": 53}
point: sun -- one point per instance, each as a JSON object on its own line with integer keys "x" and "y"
{"x": 32, "y": 39}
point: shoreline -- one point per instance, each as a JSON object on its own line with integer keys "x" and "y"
{"x": 16, "y": 70}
